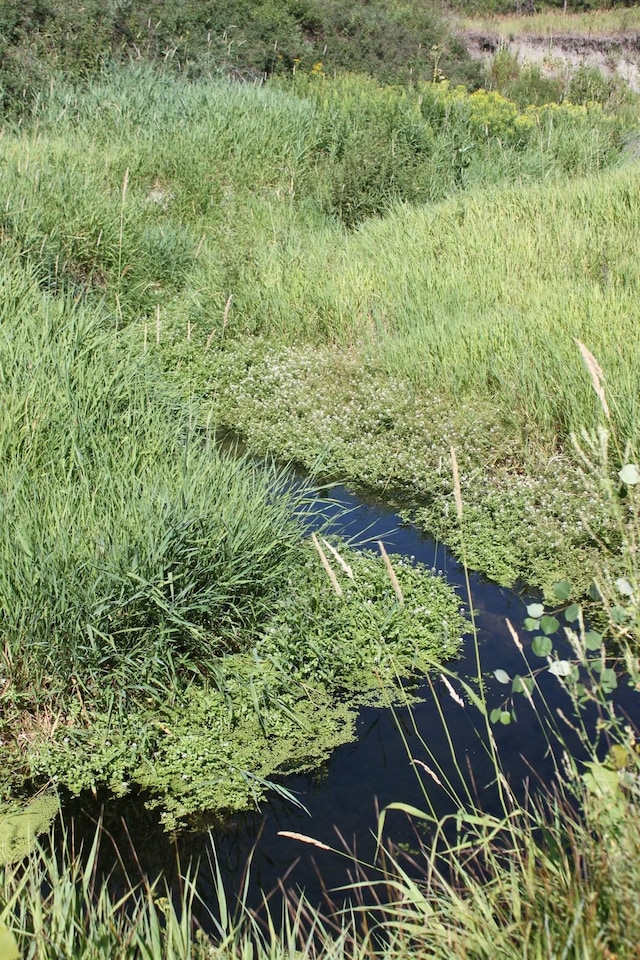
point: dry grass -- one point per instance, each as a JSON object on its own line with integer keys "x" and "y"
{"x": 550, "y": 23}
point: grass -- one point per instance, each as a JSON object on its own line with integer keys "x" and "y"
{"x": 553, "y": 875}
{"x": 356, "y": 276}
{"x": 486, "y": 296}
{"x": 160, "y": 599}
{"x": 453, "y": 322}
{"x": 171, "y": 581}
{"x": 611, "y": 22}
{"x": 440, "y": 242}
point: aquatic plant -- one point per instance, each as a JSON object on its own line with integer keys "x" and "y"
{"x": 553, "y": 873}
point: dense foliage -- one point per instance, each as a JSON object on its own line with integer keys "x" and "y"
{"x": 358, "y": 266}
{"x": 249, "y": 39}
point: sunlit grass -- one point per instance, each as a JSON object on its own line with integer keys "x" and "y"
{"x": 481, "y": 296}
{"x": 554, "y": 23}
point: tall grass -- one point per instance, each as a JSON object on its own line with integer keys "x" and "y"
{"x": 245, "y": 192}
{"x": 482, "y": 297}
{"x": 133, "y": 553}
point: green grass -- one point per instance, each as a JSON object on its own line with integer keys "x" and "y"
{"x": 481, "y": 296}
{"x": 160, "y": 598}
{"x": 441, "y": 241}
{"x": 549, "y": 23}
{"x": 129, "y": 545}
{"x": 357, "y": 277}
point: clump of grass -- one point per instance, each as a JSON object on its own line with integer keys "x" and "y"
{"x": 134, "y": 553}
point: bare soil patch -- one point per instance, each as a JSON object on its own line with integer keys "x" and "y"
{"x": 617, "y": 55}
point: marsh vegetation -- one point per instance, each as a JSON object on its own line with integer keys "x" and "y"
{"x": 355, "y": 263}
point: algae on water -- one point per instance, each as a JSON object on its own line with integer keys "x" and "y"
{"x": 19, "y": 829}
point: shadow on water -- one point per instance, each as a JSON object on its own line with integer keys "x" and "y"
{"x": 364, "y": 776}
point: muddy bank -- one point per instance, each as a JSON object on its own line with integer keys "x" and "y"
{"x": 614, "y": 55}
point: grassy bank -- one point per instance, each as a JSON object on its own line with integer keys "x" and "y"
{"x": 418, "y": 261}
{"x": 161, "y": 600}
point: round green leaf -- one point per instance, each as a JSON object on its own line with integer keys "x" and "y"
{"x": 535, "y": 610}
{"x": 562, "y": 590}
{"x": 494, "y": 716}
{"x": 541, "y": 646}
{"x": 572, "y": 613}
{"x": 560, "y": 668}
{"x": 624, "y": 587}
{"x": 592, "y": 640}
{"x": 505, "y": 717}
{"x": 608, "y": 680}
{"x": 549, "y": 625}
{"x": 630, "y": 474}
{"x": 530, "y": 624}
{"x": 502, "y": 676}
{"x": 618, "y": 756}
{"x": 618, "y": 614}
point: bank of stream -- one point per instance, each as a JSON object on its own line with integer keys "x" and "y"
{"x": 338, "y": 803}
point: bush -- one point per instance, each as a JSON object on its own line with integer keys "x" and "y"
{"x": 241, "y": 38}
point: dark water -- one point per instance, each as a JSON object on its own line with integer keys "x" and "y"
{"x": 342, "y": 798}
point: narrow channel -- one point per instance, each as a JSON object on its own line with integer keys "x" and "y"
{"x": 339, "y": 803}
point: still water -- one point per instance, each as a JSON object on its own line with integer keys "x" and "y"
{"x": 339, "y": 802}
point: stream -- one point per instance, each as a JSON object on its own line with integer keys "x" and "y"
{"x": 339, "y": 802}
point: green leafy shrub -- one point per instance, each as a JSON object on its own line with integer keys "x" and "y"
{"x": 241, "y": 38}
